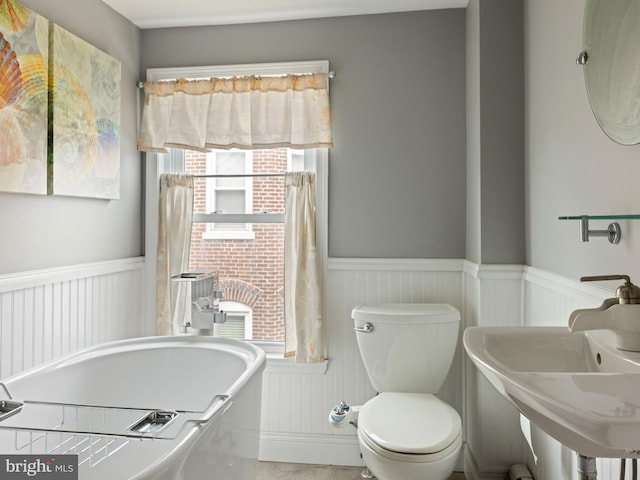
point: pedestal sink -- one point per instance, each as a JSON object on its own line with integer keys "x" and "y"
{"x": 577, "y": 387}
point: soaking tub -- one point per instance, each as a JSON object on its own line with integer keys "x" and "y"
{"x": 161, "y": 408}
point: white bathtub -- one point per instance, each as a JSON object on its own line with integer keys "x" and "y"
{"x": 87, "y": 404}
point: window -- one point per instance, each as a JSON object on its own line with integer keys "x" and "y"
{"x": 244, "y": 240}
{"x": 229, "y": 194}
{"x": 239, "y": 322}
{"x": 250, "y": 267}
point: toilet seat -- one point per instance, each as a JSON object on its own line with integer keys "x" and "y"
{"x": 410, "y": 427}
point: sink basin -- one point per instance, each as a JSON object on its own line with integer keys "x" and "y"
{"x": 577, "y": 387}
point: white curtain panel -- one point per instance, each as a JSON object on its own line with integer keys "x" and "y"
{"x": 303, "y": 302}
{"x": 250, "y": 112}
{"x": 174, "y": 240}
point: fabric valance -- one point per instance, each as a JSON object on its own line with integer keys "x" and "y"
{"x": 250, "y": 112}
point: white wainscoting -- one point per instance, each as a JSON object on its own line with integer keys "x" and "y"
{"x": 493, "y": 296}
{"x": 550, "y": 298}
{"x": 48, "y": 313}
{"x": 296, "y": 407}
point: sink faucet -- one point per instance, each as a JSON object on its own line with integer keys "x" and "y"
{"x": 627, "y": 293}
{"x": 620, "y": 314}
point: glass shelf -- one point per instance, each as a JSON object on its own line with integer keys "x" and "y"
{"x": 634, "y": 216}
{"x": 613, "y": 231}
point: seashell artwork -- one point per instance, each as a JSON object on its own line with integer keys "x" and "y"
{"x": 13, "y": 16}
{"x": 59, "y": 110}
{"x": 24, "y": 54}
{"x": 10, "y": 74}
{"x": 84, "y": 85}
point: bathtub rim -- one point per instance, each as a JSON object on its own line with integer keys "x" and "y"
{"x": 254, "y": 357}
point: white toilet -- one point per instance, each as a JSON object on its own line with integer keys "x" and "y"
{"x": 406, "y": 432}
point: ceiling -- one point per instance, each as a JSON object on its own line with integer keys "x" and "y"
{"x": 162, "y": 13}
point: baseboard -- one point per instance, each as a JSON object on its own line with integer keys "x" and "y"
{"x": 472, "y": 472}
{"x": 311, "y": 449}
{"x": 328, "y": 450}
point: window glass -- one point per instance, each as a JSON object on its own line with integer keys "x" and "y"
{"x": 228, "y": 194}
{"x": 250, "y": 269}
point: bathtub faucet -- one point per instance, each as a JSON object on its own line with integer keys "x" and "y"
{"x": 205, "y": 312}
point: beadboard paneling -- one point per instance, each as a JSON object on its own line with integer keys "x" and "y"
{"x": 493, "y": 297}
{"x": 296, "y": 406}
{"x": 550, "y": 298}
{"x": 48, "y": 313}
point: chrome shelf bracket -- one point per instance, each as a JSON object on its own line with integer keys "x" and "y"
{"x": 613, "y": 231}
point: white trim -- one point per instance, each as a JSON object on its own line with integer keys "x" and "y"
{"x": 403, "y": 264}
{"x": 229, "y": 234}
{"x": 238, "y": 217}
{"x": 270, "y": 347}
{"x": 472, "y": 472}
{"x": 245, "y": 14}
{"x": 265, "y": 69}
{"x": 297, "y": 151}
{"x": 22, "y": 280}
{"x": 566, "y": 286}
{"x": 495, "y": 272}
{"x": 312, "y": 449}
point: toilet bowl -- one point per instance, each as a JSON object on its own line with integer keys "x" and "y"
{"x": 406, "y": 432}
{"x": 412, "y": 436}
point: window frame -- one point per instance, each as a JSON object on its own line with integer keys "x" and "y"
{"x": 157, "y": 164}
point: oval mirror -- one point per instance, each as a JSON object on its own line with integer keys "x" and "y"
{"x": 611, "y": 60}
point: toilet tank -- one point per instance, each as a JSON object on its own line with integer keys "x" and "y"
{"x": 410, "y": 346}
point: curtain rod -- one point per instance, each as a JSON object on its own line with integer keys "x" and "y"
{"x": 330, "y": 75}
{"x": 241, "y": 175}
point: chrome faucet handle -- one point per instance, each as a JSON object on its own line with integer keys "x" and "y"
{"x": 626, "y": 294}
{"x": 596, "y": 278}
{"x": 342, "y": 408}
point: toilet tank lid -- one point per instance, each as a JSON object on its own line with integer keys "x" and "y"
{"x": 406, "y": 312}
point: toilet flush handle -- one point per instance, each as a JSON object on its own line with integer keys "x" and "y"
{"x": 366, "y": 328}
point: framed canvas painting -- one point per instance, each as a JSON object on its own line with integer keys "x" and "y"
{"x": 84, "y": 89}
{"x": 24, "y": 49}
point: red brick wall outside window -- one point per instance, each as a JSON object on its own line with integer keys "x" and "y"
{"x": 250, "y": 271}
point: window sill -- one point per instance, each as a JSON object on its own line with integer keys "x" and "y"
{"x": 230, "y": 235}
{"x": 276, "y": 363}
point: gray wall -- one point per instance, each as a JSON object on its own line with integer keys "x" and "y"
{"x": 495, "y": 132}
{"x": 48, "y": 231}
{"x": 397, "y": 171}
{"x": 572, "y": 167}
